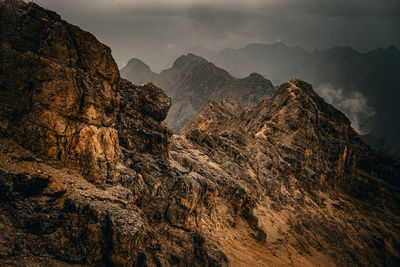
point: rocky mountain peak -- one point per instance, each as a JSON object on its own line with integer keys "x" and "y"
{"x": 137, "y": 64}
{"x": 300, "y": 121}
{"x": 297, "y": 86}
{"x": 90, "y": 174}
{"x": 192, "y": 81}
{"x": 254, "y": 76}
{"x": 256, "y": 80}
{"x": 190, "y": 58}
{"x": 138, "y": 72}
{"x": 62, "y": 97}
{"x": 368, "y": 79}
{"x": 306, "y": 142}
{"x": 295, "y": 109}
{"x": 190, "y": 68}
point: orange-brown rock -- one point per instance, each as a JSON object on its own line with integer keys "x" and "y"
{"x": 58, "y": 90}
{"x": 90, "y": 175}
{"x": 309, "y": 191}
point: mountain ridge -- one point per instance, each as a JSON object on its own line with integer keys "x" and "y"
{"x": 90, "y": 174}
{"x": 294, "y": 133}
{"x": 372, "y": 74}
{"x": 191, "y": 81}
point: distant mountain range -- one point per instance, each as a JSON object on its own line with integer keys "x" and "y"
{"x": 365, "y": 86}
{"x": 90, "y": 174}
{"x": 192, "y": 81}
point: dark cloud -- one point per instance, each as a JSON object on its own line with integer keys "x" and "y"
{"x": 158, "y": 31}
{"x": 355, "y": 8}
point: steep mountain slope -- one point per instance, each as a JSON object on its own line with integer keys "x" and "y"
{"x": 192, "y": 81}
{"x": 285, "y": 183}
{"x": 84, "y": 171}
{"x": 304, "y": 179}
{"x": 374, "y": 75}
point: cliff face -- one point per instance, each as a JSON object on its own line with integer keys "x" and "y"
{"x": 57, "y": 87}
{"x": 144, "y": 105}
{"x": 192, "y": 81}
{"x": 85, "y": 176}
{"x": 105, "y": 183}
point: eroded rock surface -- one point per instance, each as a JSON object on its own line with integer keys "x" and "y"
{"x": 143, "y": 105}
{"x": 58, "y": 88}
{"x": 105, "y": 183}
{"x": 309, "y": 191}
{"x": 84, "y": 175}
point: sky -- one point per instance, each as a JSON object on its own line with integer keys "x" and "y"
{"x": 158, "y": 31}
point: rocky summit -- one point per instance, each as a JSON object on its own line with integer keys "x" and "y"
{"x": 192, "y": 81}
{"x": 90, "y": 174}
{"x": 373, "y": 75}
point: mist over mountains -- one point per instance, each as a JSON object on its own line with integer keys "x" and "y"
{"x": 353, "y": 104}
{"x": 91, "y": 175}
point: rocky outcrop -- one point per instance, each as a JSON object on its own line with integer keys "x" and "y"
{"x": 302, "y": 179}
{"x": 192, "y": 81}
{"x": 85, "y": 176}
{"x": 287, "y": 182}
{"x": 313, "y": 141}
{"x": 144, "y": 105}
{"x": 57, "y": 87}
{"x": 54, "y": 217}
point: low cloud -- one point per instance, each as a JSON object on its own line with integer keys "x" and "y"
{"x": 354, "y": 105}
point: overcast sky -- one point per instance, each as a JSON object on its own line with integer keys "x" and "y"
{"x": 157, "y": 31}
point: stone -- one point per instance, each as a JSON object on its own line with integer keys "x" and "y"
{"x": 101, "y": 181}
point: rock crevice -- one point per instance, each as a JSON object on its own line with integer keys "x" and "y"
{"x": 91, "y": 175}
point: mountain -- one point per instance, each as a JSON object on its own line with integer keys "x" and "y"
{"x": 138, "y": 72}
{"x": 300, "y": 177}
{"x": 90, "y": 174}
{"x": 192, "y": 81}
{"x": 365, "y": 86}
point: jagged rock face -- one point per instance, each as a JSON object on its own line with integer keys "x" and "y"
{"x": 299, "y": 166}
{"x": 53, "y": 215}
{"x": 144, "y": 105}
{"x": 192, "y": 81}
{"x": 318, "y": 141}
{"x": 309, "y": 137}
{"x": 58, "y": 87}
{"x": 287, "y": 182}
